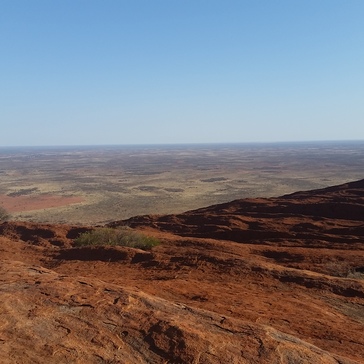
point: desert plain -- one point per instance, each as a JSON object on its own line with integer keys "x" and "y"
{"x": 260, "y": 257}
{"x": 96, "y": 185}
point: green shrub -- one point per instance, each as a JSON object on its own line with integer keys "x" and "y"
{"x": 3, "y": 214}
{"x": 116, "y": 237}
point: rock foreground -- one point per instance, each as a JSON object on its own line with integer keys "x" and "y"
{"x": 277, "y": 280}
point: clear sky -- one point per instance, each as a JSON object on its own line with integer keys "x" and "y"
{"x": 76, "y": 72}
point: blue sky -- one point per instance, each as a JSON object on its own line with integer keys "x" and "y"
{"x": 76, "y": 72}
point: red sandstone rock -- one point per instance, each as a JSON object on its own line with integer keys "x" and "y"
{"x": 276, "y": 280}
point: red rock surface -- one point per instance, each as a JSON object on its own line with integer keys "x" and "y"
{"x": 277, "y": 280}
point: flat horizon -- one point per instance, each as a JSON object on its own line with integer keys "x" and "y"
{"x": 301, "y": 142}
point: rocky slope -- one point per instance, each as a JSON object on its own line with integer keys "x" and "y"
{"x": 277, "y": 280}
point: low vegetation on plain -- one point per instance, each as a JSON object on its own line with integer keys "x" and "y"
{"x": 4, "y": 215}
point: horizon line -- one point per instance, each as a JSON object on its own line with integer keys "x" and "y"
{"x": 185, "y": 144}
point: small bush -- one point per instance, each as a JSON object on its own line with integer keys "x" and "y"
{"x": 3, "y": 214}
{"x": 343, "y": 269}
{"x": 116, "y": 237}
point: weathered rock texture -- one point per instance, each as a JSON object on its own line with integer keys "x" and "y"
{"x": 277, "y": 280}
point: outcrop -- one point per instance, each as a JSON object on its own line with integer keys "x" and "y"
{"x": 278, "y": 280}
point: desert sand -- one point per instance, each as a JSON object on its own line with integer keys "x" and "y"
{"x": 97, "y": 185}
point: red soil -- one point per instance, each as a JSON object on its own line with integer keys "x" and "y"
{"x": 276, "y": 280}
{"x": 38, "y": 202}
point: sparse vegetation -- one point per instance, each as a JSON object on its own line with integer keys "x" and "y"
{"x": 4, "y": 215}
{"x": 116, "y": 237}
{"x": 23, "y": 192}
{"x": 344, "y": 270}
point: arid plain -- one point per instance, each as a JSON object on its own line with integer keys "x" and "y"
{"x": 96, "y": 185}
{"x": 255, "y": 279}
